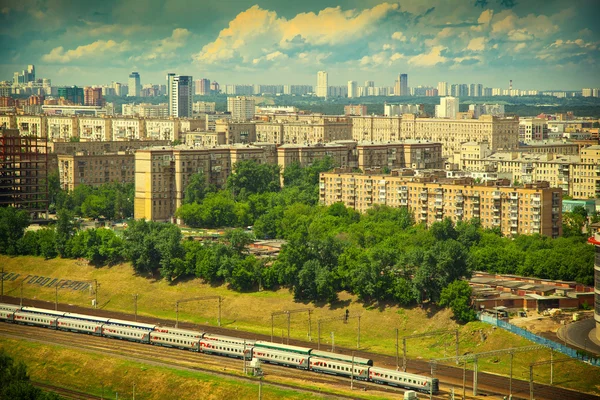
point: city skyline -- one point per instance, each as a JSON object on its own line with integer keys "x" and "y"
{"x": 271, "y": 42}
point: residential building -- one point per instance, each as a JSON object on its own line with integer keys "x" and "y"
{"x": 92, "y": 96}
{"x": 134, "y": 85}
{"x": 236, "y": 132}
{"x": 202, "y": 87}
{"x": 51, "y": 109}
{"x": 128, "y": 128}
{"x": 355, "y": 109}
{"x": 210, "y": 120}
{"x": 95, "y": 169}
{"x": 376, "y": 129}
{"x": 443, "y": 89}
{"x": 94, "y": 129}
{"x": 31, "y": 125}
{"x": 24, "y": 169}
{"x": 241, "y": 108}
{"x": 322, "y": 84}
{"x": 179, "y": 96}
{"x": 271, "y": 132}
{"x": 586, "y": 175}
{"x": 352, "y": 89}
{"x": 534, "y": 208}
{"x": 203, "y": 107}
{"x": 162, "y": 129}
{"x": 204, "y": 139}
{"x": 62, "y": 128}
{"x": 71, "y": 94}
{"x": 325, "y": 130}
{"x": 394, "y": 110}
{"x": 403, "y": 85}
{"x": 104, "y": 147}
{"x": 531, "y": 129}
{"x": 448, "y": 107}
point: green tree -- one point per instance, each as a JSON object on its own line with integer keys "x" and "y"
{"x": 15, "y": 383}
{"x": 65, "y": 230}
{"x": 197, "y": 188}
{"x": 47, "y": 242}
{"x": 238, "y": 240}
{"x": 12, "y": 228}
{"x": 457, "y": 296}
{"x": 251, "y": 177}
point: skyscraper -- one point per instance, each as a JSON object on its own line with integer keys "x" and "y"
{"x": 92, "y": 96}
{"x": 180, "y": 96}
{"x": 443, "y": 89}
{"x": 447, "y": 108}
{"x": 241, "y": 108}
{"x": 322, "y": 84}
{"x": 30, "y": 76}
{"x": 404, "y": 85}
{"x": 352, "y": 89}
{"x": 202, "y": 87}
{"x": 134, "y": 85}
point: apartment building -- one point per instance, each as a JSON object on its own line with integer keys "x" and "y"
{"x": 95, "y": 170}
{"x": 531, "y": 129}
{"x": 99, "y": 148}
{"x": 204, "y": 139}
{"x": 162, "y": 174}
{"x": 95, "y": 129}
{"x": 407, "y": 154}
{"x": 62, "y": 128}
{"x": 532, "y": 208}
{"x": 376, "y": 128}
{"x": 128, "y": 128}
{"x": 162, "y": 129}
{"x": 269, "y": 132}
{"x": 236, "y": 132}
{"x": 33, "y": 125}
{"x": 586, "y": 174}
{"x": 500, "y": 133}
{"x": 306, "y": 155}
{"x": 317, "y": 131}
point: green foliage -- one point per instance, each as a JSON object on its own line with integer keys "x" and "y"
{"x": 15, "y": 383}
{"x": 457, "y": 296}
{"x": 110, "y": 200}
{"x": 65, "y": 230}
{"x": 251, "y": 177}
{"x": 12, "y": 228}
{"x": 99, "y": 246}
{"x": 197, "y": 188}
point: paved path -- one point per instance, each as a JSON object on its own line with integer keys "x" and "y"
{"x": 581, "y": 334}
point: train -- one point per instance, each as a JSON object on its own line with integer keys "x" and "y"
{"x": 299, "y": 357}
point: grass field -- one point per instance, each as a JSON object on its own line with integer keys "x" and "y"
{"x": 108, "y": 376}
{"x": 252, "y": 312}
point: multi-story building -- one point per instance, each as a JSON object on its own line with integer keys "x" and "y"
{"x": 71, "y": 94}
{"x": 322, "y": 84}
{"x": 104, "y": 147}
{"x": 180, "y": 95}
{"x": 203, "y": 107}
{"x": 62, "y": 128}
{"x": 236, "y": 132}
{"x": 204, "y": 139}
{"x": 586, "y": 174}
{"x": 128, "y": 128}
{"x": 500, "y": 133}
{"x": 92, "y": 96}
{"x": 396, "y": 110}
{"x": 162, "y": 129}
{"x": 241, "y": 108}
{"x": 534, "y": 208}
{"x": 95, "y": 129}
{"x": 322, "y": 130}
{"x": 23, "y": 171}
{"x": 202, "y": 87}
{"x": 448, "y": 108}
{"x": 162, "y": 174}
{"x": 271, "y": 132}
{"x": 31, "y": 125}
{"x": 355, "y": 109}
{"x": 134, "y": 85}
{"x": 210, "y": 120}
{"x": 352, "y": 89}
{"x": 442, "y": 88}
{"x": 95, "y": 169}
{"x": 376, "y": 129}
{"x": 342, "y": 154}
{"x": 532, "y": 129}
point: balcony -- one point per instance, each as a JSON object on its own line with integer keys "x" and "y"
{"x": 514, "y": 216}
{"x": 475, "y": 199}
{"x": 423, "y": 196}
{"x": 459, "y": 200}
{"x": 439, "y": 204}
{"x": 497, "y": 195}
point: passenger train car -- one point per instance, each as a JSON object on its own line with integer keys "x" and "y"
{"x": 274, "y": 353}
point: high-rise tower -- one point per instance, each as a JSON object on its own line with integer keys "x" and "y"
{"x": 134, "y": 85}
{"x": 322, "y": 84}
{"x": 180, "y": 97}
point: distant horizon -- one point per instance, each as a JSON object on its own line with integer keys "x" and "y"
{"x": 536, "y": 43}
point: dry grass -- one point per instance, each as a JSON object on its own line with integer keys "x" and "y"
{"x": 252, "y": 312}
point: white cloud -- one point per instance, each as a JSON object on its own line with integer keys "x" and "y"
{"x": 519, "y": 35}
{"x": 93, "y": 51}
{"x": 399, "y": 36}
{"x": 430, "y": 59}
{"x": 537, "y": 25}
{"x": 387, "y": 46}
{"x": 256, "y": 31}
{"x": 163, "y": 49}
{"x": 520, "y": 46}
{"x": 575, "y": 43}
{"x": 477, "y": 44}
{"x": 396, "y": 56}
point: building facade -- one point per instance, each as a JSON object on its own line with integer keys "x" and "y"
{"x": 534, "y": 208}
{"x": 241, "y": 108}
{"x": 322, "y": 84}
{"x": 96, "y": 169}
{"x": 180, "y": 95}
{"x": 134, "y": 85}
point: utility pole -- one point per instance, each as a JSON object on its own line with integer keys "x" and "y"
{"x": 319, "y": 333}
{"x": 332, "y": 342}
{"x": 551, "y": 366}
{"x": 288, "y": 336}
{"x": 96, "y": 294}
{"x": 244, "y": 354}
{"x": 431, "y": 389}
{"x": 404, "y": 354}
{"x": 457, "y": 347}
{"x": 2, "y": 292}
{"x": 475, "y": 376}
{"x": 531, "y": 382}
{"x": 510, "y": 378}
{"x": 133, "y": 390}
{"x": 135, "y": 297}
{"x": 260, "y": 388}
{"x": 352, "y": 373}
{"x": 22, "y": 293}
{"x": 56, "y": 299}
{"x": 464, "y": 396}
{"x": 397, "y": 352}
{"x": 358, "y": 338}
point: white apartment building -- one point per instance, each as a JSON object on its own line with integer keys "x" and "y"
{"x": 203, "y": 106}
{"x": 162, "y": 129}
{"x": 180, "y": 95}
{"x": 62, "y": 128}
{"x": 134, "y": 85}
{"x": 442, "y": 88}
{"x": 448, "y": 107}
{"x": 128, "y": 128}
{"x": 94, "y": 129}
{"x": 31, "y": 125}
{"x": 241, "y": 108}
{"x": 352, "y": 89}
{"x": 531, "y": 129}
{"x": 322, "y": 84}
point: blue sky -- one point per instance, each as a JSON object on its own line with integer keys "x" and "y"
{"x": 539, "y": 44}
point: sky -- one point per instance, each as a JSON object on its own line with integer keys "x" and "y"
{"x": 547, "y": 44}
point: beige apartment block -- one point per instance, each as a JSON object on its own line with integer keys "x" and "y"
{"x": 533, "y": 208}
{"x": 376, "y": 128}
{"x": 128, "y": 128}
{"x": 8, "y": 121}
{"x": 586, "y": 174}
{"x": 236, "y": 132}
{"x": 99, "y": 148}
{"x": 564, "y": 148}
{"x": 31, "y": 125}
{"x": 323, "y": 131}
{"x": 269, "y": 132}
{"x": 162, "y": 174}
{"x": 306, "y": 155}
{"x": 95, "y": 129}
{"x": 95, "y": 170}
{"x": 500, "y": 133}
{"x": 162, "y": 129}
{"x": 204, "y": 139}
{"x": 188, "y": 125}
{"x": 62, "y": 129}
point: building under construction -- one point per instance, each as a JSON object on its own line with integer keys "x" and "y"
{"x": 24, "y": 172}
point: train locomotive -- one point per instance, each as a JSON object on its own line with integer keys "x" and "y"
{"x": 304, "y": 358}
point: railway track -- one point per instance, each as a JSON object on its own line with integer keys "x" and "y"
{"x": 449, "y": 376}
{"x": 64, "y": 392}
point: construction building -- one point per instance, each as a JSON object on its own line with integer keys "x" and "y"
{"x": 529, "y": 209}
{"x": 23, "y": 171}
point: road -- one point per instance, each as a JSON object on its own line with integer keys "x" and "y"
{"x": 577, "y": 334}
